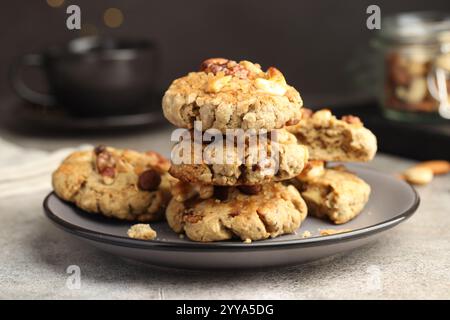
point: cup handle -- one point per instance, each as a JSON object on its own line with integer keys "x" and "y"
{"x": 26, "y": 93}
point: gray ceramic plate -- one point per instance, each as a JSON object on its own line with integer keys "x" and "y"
{"x": 391, "y": 202}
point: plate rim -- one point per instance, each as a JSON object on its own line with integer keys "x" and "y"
{"x": 234, "y": 246}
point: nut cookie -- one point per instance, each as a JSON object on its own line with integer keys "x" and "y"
{"x": 251, "y": 161}
{"x": 246, "y": 212}
{"x": 122, "y": 184}
{"x": 332, "y": 139}
{"x": 226, "y": 94}
{"x": 332, "y": 193}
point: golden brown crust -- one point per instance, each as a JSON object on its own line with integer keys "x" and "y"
{"x": 436, "y": 166}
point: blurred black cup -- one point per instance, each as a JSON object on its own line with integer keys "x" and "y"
{"x": 94, "y": 76}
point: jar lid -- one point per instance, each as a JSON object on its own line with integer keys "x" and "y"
{"x": 415, "y": 27}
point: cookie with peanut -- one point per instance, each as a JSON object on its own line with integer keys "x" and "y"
{"x": 226, "y": 94}
{"x": 248, "y": 213}
{"x": 122, "y": 184}
{"x": 333, "y": 193}
{"x": 424, "y": 172}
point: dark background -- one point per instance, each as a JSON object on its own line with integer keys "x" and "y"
{"x": 315, "y": 43}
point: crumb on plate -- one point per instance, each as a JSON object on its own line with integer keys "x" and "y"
{"x": 142, "y": 231}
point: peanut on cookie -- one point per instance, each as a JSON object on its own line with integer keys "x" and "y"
{"x": 245, "y": 212}
{"x": 331, "y": 139}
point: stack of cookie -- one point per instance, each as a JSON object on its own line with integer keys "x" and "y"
{"x": 117, "y": 183}
{"x": 250, "y": 163}
{"x": 228, "y": 189}
{"x": 333, "y": 192}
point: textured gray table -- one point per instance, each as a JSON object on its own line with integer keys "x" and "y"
{"x": 410, "y": 261}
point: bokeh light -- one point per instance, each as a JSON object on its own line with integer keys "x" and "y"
{"x": 55, "y": 3}
{"x": 113, "y": 17}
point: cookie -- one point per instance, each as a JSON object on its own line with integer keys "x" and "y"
{"x": 225, "y": 95}
{"x": 332, "y": 193}
{"x": 246, "y": 212}
{"x": 142, "y": 231}
{"x": 122, "y": 184}
{"x": 332, "y": 139}
{"x": 252, "y": 161}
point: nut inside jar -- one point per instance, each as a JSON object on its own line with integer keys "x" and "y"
{"x": 416, "y": 82}
{"x": 406, "y": 86}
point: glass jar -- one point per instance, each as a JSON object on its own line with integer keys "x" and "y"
{"x": 414, "y": 83}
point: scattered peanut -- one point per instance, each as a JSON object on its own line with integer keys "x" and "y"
{"x": 418, "y": 175}
{"x": 422, "y": 173}
{"x": 437, "y": 166}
